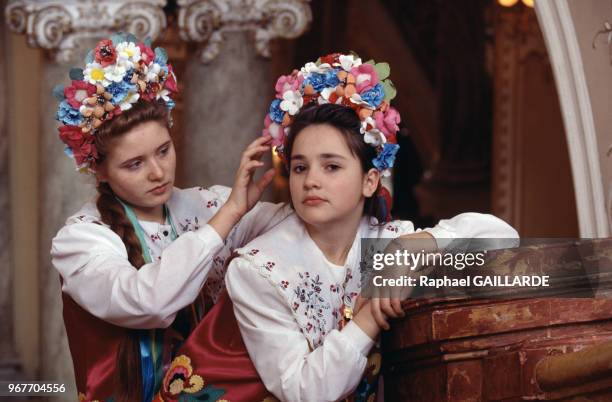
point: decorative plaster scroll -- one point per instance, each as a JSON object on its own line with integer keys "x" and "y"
{"x": 61, "y": 26}
{"x": 207, "y": 20}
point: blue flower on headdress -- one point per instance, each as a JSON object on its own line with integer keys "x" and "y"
{"x": 317, "y": 80}
{"x": 331, "y": 79}
{"x": 374, "y": 96}
{"x": 170, "y": 104}
{"x": 276, "y": 113}
{"x": 68, "y": 115}
{"x": 120, "y": 90}
{"x": 386, "y": 158}
{"x": 128, "y": 76}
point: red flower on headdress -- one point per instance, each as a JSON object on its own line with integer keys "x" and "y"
{"x": 170, "y": 83}
{"x": 105, "y": 52}
{"x": 78, "y": 91}
{"x": 72, "y": 136}
{"x": 86, "y": 153}
{"x": 330, "y": 58}
{"x": 146, "y": 53}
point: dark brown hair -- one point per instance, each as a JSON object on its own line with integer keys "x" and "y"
{"x": 128, "y": 373}
{"x": 345, "y": 120}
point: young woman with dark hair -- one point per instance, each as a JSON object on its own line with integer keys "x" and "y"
{"x": 142, "y": 263}
{"x": 292, "y": 291}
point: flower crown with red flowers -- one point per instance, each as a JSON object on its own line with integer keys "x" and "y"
{"x": 118, "y": 72}
{"x": 344, "y": 80}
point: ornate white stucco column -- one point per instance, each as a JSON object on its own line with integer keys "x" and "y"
{"x": 66, "y": 30}
{"x": 228, "y": 86}
{"x": 9, "y": 367}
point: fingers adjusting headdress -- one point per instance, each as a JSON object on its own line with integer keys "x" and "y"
{"x": 118, "y": 72}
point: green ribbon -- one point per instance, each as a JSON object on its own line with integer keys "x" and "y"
{"x": 147, "y": 338}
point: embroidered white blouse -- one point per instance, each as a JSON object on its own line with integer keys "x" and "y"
{"x": 95, "y": 271}
{"x": 287, "y": 300}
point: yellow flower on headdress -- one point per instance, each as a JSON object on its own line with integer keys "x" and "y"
{"x": 94, "y": 74}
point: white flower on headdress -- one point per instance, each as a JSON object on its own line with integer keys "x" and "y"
{"x": 276, "y": 131}
{"x": 374, "y": 137}
{"x": 356, "y": 99}
{"x": 324, "y": 95}
{"x": 163, "y": 94}
{"x": 94, "y": 74}
{"x": 311, "y": 67}
{"x": 367, "y": 124}
{"x": 128, "y": 54}
{"x": 114, "y": 72}
{"x": 152, "y": 72}
{"x": 131, "y": 98}
{"x": 349, "y": 61}
{"x": 292, "y": 102}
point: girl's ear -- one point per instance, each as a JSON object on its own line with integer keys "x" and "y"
{"x": 370, "y": 182}
{"x": 101, "y": 174}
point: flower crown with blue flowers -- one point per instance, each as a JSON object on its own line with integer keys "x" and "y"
{"x": 341, "y": 79}
{"x": 118, "y": 72}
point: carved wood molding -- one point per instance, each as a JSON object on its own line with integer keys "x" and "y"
{"x": 517, "y": 38}
{"x": 61, "y": 26}
{"x": 206, "y": 21}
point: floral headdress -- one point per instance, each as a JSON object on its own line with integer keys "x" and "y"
{"x": 118, "y": 72}
{"x": 340, "y": 79}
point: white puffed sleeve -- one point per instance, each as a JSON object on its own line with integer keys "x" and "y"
{"x": 473, "y": 225}
{"x": 261, "y": 218}
{"x": 279, "y": 351}
{"x": 93, "y": 264}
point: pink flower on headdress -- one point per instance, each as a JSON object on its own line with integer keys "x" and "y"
{"x": 365, "y": 77}
{"x": 388, "y": 123}
{"x": 275, "y": 130}
{"x": 78, "y": 91}
{"x": 170, "y": 83}
{"x": 146, "y": 53}
{"x": 105, "y": 52}
{"x": 288, "y": 83}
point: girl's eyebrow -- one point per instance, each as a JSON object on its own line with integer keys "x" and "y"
{"x": 329, "y": 156}
{"x": 321, "y": 156}
{"x": 132, "y": 159}
{"x": 164, "y": 144}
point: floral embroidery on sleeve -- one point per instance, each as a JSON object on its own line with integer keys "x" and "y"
{"x": 189, "y": 225}
{"x": 308, "y": 298}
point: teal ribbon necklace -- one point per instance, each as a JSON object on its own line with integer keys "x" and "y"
{"x": 150, "y": 341}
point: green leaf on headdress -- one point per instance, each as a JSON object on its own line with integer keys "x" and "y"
{"x": 117, "y": 38}
{"x": 148, "y": 41}
{"x": 132, "y": 38}
{"x": 390, "y": 90}
{"x": 354, "y": 54}
{"x": 76, "y": 74}
{"x": 382, "y": 70}
{"x": 89, "y": 58}
{"x": 161, "y": 56}
{"x": 318, "y": 62}
{"x": 58, "y": 92}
